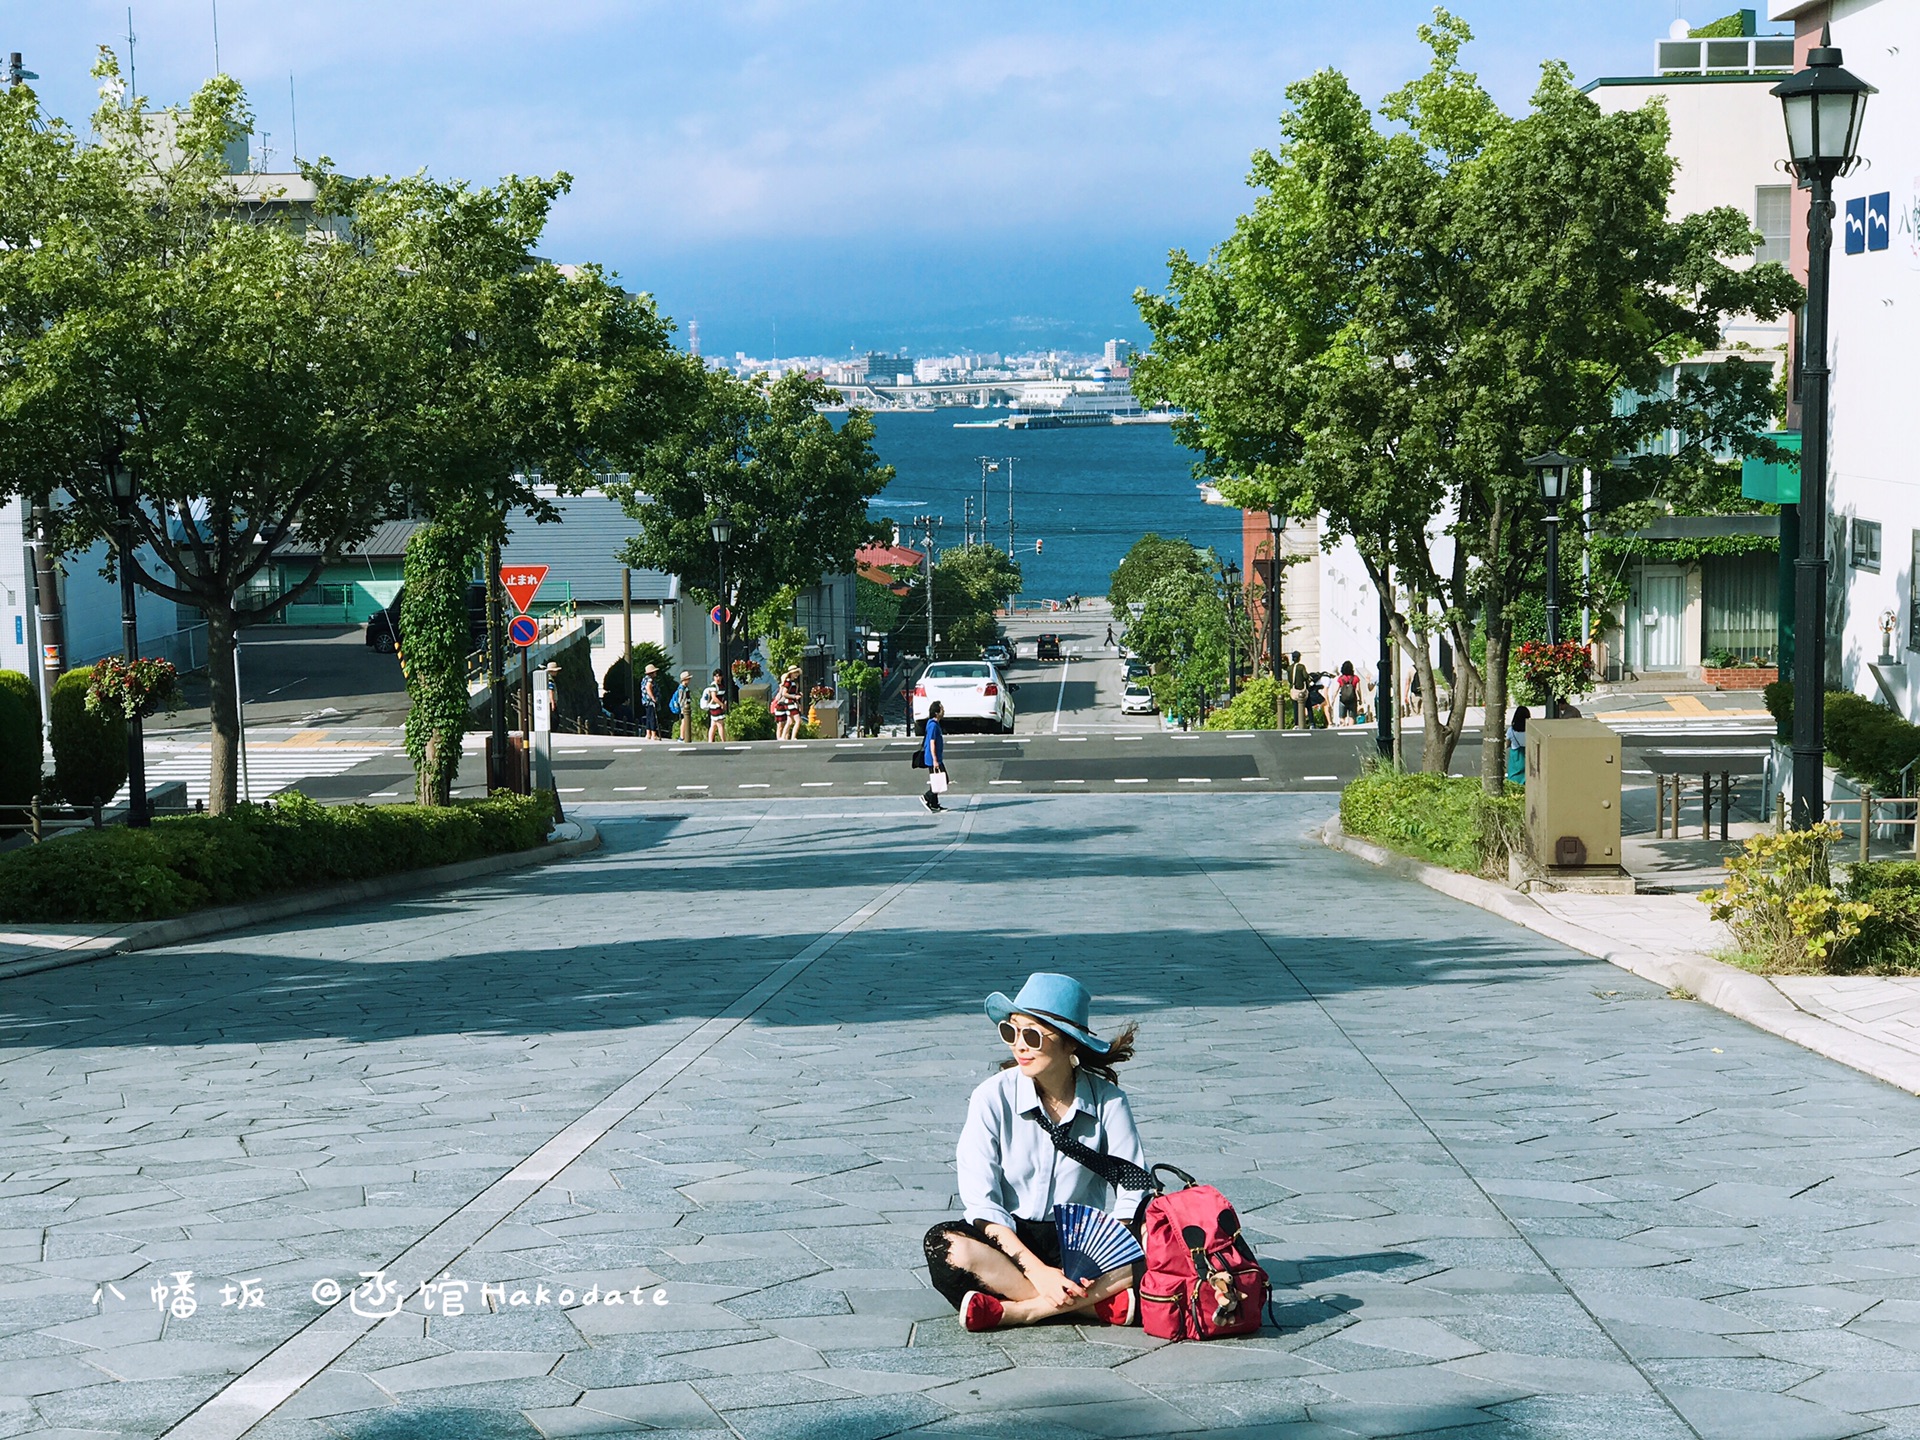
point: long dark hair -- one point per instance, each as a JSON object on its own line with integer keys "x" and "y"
{"x": 1119, "y": 1050}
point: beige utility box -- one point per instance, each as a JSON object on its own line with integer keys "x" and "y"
{"x": 1573, "y": 795}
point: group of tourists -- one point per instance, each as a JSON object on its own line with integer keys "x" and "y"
{"x": 1322, "y": 700}
{"x": 668, "y": 715}
{"x": 789, "y": 706}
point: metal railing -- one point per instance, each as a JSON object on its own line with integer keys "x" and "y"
{"x": 1864, "y": 819}
{"x": 39, "y": 821}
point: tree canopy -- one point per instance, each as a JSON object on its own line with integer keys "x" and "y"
{"x": 1150, "y": 559}
{"x": 1418, "y": 301}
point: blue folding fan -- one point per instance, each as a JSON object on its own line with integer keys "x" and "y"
{"x": 1092, "y": 1242}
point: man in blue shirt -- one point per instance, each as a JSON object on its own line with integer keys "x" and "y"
{"x": 934, "y": 755}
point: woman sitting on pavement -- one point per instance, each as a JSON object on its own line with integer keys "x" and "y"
{"x": 1000, "y": 1265}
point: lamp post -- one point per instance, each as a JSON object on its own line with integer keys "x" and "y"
{"x": 1823, "y": 106}
{"x": 1551, "y": 470}
{"x": 1275, "y": 523}
{"x": 722, "y": 531}
{"x": 1231, "y": 571}
{"x": 121, "y": 478}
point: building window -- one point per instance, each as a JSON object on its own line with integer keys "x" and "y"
{"x": 1864, "y": 553}
{"x": 1772, "y": 217}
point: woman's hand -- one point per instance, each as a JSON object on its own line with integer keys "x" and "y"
{"x": 1052, "y": 1287}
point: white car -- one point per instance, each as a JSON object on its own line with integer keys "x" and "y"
{"x": 1138, "y": 700}
{"x": 972, "y": 692}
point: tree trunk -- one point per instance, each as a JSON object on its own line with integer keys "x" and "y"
{"x": 1493, "y": 728}
{"x": 223, "y": 785}
{"x": 433, "y": 784}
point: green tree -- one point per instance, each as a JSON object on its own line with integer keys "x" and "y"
{"x": 89, "y": 749}
{"x": 793, "y": 485}
{"x": 241, "y": 367}
{"x": 435, "y": 631}
{"x": 1182, "y": 632}
{"x": 970, "y": 583}
{"x": 1152, "y": 558}
{"x": 1412, "y": 309}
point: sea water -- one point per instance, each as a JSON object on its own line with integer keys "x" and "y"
{"x": 1084, "y": 495}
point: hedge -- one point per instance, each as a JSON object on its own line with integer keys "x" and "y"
{"x": 190, "y": 862}
{"x": 1444, "y": 819}
{"x": 1889, "y": 940}
{"x": 1868, "y": 741}
{"x": 22, "y": 755}
{"x": 89, "y": 749}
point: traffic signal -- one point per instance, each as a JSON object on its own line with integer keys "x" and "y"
{"x": 1038, "y": 546}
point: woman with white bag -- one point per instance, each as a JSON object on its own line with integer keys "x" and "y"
{"x": 933, "y": 755}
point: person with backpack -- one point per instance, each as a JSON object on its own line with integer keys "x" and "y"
{"x": 650, "y": 704}
{"x": 682, "y": 705}
{"x": 1350, "y": 692}
{"x": 1000, "y": 1264}
{"x": 713, "y": 700}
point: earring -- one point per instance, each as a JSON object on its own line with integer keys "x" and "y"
{"x": 1074, "y": 1060}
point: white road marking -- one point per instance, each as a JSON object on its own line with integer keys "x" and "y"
{"x": 390, "y": 794}
{"x": 1140, "y": 781}
{"x": 630, "y": 787}
{"x": 1073, "y": 739}
{"x": 755, "y": 785}
{"x": 1252, "y": 779}
{"x": 1118, "y": 738}
{"x": 1319, "y": 777}
{"x": 846, "y": 745}
{"x": 800, "y": 746}
{"x": 815, "y": 784}
{"x": 1196, "y": 780}
{"x": 686, "y": 750}
{"x": 270, "y": 768}
{"x": 575, "y": 790}
{"x": 1069, "y": 782}
{"x": 1003, "y": 782}
{"x": 876, "y": 782}
{"x": 1065, "y": 666}
{"x": 689, "y": 787}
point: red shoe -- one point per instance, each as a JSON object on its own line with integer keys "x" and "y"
{"x": 1120, "y": 1308}
{"x": 980, "y": 1311}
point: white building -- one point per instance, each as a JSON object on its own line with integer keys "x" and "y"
{"x": 1874, "y": 544}
{"x": 1724, "y": 133}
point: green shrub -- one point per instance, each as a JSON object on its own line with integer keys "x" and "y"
{"x": 89, "y": 750}
{"x": 1889, "y": 940}
{"x": 643, "y": 654}
{"x": 1256, "y": 707}
{"x": 186, "y": 862}
{"x": 1781, "y": 905}
{"x": 749, "y": 720}
{"x": 22, "y": 754}
{"x": 1778, "y": 698}
{"x": 1443, "y": 819}
{"x": 1866, "y": 740}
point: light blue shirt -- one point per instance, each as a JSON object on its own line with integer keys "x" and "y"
{"x": 1008, "y": 1165}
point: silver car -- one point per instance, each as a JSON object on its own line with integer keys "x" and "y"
{"x": 1138, "y": 700}
{"x": 972, "y": 691}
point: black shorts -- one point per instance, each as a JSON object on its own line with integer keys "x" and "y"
{"x": 1042, "y": 1237}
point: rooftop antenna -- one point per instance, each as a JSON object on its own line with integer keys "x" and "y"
{"x": 293, "y": 112}
{"x": 216, "y": 37}
{"x": 133, "y": 74}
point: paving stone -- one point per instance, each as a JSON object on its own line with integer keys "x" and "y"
{"x": 1750, "y": 1415}
{"x": 862, "y": 1419}
{"x": 467, "y": 1367}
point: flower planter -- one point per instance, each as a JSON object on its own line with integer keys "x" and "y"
{"x": 1743, "y": 677}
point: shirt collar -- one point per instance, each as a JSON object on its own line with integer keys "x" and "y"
{"x": 1026, "y": 1095}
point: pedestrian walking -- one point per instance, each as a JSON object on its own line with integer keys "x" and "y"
{"x": 650, "y": 703}
{"x": 1298, "y": 682}
{"x": 933, "y": 755}
{"x": 1517, "y": 746}
{"x": 1349, "y": 692}
{"x": 1413, "y": 701}
{"x": 787, "y": 708}
{"x": 1109, "y": 640}
{"x": 682, "y": 705}
{"x": 713, "y": 700}
{"x": 1314, "y": 704}
{"x": 1000, "y": 1263}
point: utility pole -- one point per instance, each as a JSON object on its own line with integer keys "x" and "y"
{"x": 926, "y": 524}
{"x": 1010, "y": 460}
{"x": 966, "y": 520}
{"x": 988, "y": 465}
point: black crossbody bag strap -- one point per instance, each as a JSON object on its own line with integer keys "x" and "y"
{"x": 1121, "y": 1174}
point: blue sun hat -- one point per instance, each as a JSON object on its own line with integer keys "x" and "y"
{"x": 1060, "y": 1000}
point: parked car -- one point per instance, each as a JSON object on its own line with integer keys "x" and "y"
{"x": 972, "y": 692}
{"x": 1137, "y": 669}
{"x": 383, "y": 629}
{"x": 1046, "y": 647}
{"x": 1138, "y": 700}
{"x": 998, "y": 653}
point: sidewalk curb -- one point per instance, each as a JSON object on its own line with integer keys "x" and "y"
{"x": 1748, "y": 997}
{"x": 152, "y": 934}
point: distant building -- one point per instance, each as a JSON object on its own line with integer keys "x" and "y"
{"x": 1118, "y": 353}
{"x": 884, "y": 369}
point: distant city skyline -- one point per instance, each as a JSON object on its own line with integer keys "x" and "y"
{"x": 829, "y": 180}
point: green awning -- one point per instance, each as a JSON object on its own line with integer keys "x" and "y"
{"x": 1774, "y": 484}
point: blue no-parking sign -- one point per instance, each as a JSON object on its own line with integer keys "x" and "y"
{"x": 523, "y": 630}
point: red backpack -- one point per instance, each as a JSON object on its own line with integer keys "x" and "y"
{"x": 1202, "y": 1280}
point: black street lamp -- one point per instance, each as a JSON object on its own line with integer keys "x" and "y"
{"x": 1231, "y": 572}
{"x": 1552, "y": 470}
{"x": 1275, "y": 523}
{"x": 722, "y": 531}
{"x": 1823, "y": 106}
{"x": 121, "y": 478}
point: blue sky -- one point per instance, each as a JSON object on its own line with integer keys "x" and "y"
{"x": 983, "y": 175}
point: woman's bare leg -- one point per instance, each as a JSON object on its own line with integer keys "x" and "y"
{"x": 990, "y": 1266}
{"x": 1028, "y": 1312}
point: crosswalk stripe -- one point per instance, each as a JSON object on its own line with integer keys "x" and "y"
{"x": 269, "y": 769}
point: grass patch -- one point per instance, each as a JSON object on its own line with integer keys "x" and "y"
{"x": 191, "y": 862}
{"x": 1441, "y": 819}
